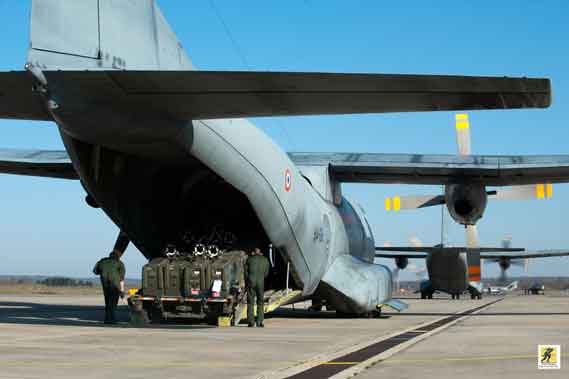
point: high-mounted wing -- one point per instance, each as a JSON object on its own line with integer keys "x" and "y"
{"x": 527, "y": 255}
{"x": 400, "y": 254}
{"x": 17, "y": 100}
{"x": 447, "y": 249}
{"x": 51, "y": 164}
{"x": 186, "y": 95}
{"x": 490, "y": 170}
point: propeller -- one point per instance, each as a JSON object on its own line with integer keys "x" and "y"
{"x": 505, "y": 263}
{"x": 473, "y": 257}
{"x": 415, "y": 242}
{"x": 464, "y": 147}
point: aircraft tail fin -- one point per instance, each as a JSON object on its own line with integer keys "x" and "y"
{"x": 104, "y": 34}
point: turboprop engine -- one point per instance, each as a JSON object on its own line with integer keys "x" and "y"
{"x": 401, "y": 262}
{"x": 466, "y": 202}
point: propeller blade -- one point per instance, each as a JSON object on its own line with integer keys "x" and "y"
{"x": 463, "y": 134}
{"x": 472, "y": 237}
{"x": 503, "y": 276}
{"x": 526, "y": 192}
{"x": 398, "y": 203}
{"x": 396, "y": 278}
{"x": 473, "y": 258}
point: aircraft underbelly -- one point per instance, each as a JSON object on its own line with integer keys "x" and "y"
{"x": 447, "y": 272}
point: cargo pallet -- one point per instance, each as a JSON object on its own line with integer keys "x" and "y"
{"x": 220, "y": 311}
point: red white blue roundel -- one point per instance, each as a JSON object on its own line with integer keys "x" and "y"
{"x": 288, "y": 180}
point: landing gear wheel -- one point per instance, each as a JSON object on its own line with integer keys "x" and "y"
{"x": 423, "y": 295}
{"x": 430, "y": 296}
{"x": 155, "y": 315}
{"x": 457, "y": 296}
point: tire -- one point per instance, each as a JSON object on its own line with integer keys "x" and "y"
{"x": 430, "y": 296}
{"x": 423, "y": 295}
{"x": 155, "y": 315}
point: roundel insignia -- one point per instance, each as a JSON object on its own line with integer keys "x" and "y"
{"x": 287, "y": 180}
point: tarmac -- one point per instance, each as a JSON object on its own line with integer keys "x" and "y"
{"x": 56, "y": 336}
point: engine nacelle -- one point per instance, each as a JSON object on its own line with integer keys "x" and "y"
{"x": 466, "y": 202}
{"x": 504, "y": 264}
{"x": 401, "y": 262}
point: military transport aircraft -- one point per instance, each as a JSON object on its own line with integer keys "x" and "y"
{"x": 457, "y": 269}
{"x": 157, "y": 145}
{"x": 448, "y": 267}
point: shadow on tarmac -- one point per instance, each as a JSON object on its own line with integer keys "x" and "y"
{"x": 309, "y": 314}
{"x": 25, "y": 313}
{"x": 482, "y": 314}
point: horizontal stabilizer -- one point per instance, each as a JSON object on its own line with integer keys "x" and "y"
{"x": 17, "y": 100}
{"x": 186, "y": 95}
{"x": 51, "y": 164}
{"x": 490, "y": 170}
{"x": 396, "y": 305}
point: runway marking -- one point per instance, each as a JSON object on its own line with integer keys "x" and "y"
{"x": 335, "y": 366}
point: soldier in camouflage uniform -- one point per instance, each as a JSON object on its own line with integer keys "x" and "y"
{"x": 256, "y": 270}
{"x": 112, "y": 271}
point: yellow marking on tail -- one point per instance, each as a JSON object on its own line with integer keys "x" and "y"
{"x": 387, "y": 204}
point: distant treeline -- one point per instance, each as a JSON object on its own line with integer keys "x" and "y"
{"x": 59, "y": 281}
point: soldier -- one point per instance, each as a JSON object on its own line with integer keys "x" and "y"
{"x": 111, "y": 270}
{"x": 256, "y": 270}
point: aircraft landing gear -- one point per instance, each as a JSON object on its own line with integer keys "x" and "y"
{"x": 455, "y": 296}
{"x": 426, "y": 295}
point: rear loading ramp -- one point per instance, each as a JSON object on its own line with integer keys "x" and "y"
{"x": 273, "y": 300}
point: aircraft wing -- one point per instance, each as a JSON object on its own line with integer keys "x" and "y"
{"x": 51, "y": 164}
{"x": 490, "y": 170}
{"x": 526, "y": 255}
{"x": 422, "y": 252}
{"x": 186, "y": 95}
{"x": 401, "y": 255}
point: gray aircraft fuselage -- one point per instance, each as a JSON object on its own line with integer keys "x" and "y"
{"x": 157, "y": 178}
{"x": 447, "y": 272}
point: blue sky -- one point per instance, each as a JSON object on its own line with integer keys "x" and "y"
{"x": 46, "y": 227}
